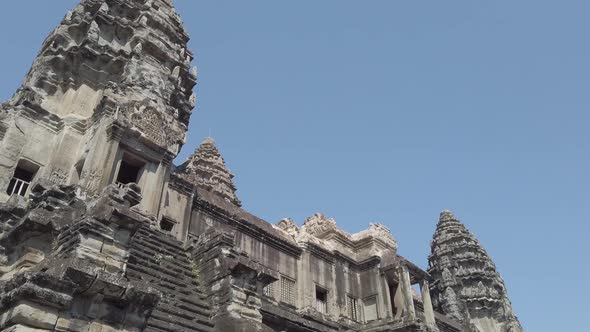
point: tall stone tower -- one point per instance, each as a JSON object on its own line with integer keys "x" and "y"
{"x": 466, "y": 285}
{"x": 107, "y": 100}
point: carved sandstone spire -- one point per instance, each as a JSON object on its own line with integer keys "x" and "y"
{"x": 466, "y": 285}
{"x": 127, "y": 58}
{"x": 206, "y": 168}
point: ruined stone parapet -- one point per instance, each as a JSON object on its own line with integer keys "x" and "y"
{"x": 465, "y": 283}
{"x": 323, "y": 232}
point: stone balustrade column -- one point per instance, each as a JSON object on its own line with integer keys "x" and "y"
{"x": 386, "y": 296}
{"x": 406, "y": 289}
{"x": 427, "y": 302}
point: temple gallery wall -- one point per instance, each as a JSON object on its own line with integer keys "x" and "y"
{"x": 100, "y": 231}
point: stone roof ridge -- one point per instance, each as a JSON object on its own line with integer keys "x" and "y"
{"x": 206, "y": 169}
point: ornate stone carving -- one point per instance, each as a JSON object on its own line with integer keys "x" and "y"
{"x": 58, "y": 176}
{"x": 289, "y": 226}
{"x": 318, "y": 224}
{"x": 383, "y": 233}
{"x": 149, "y": 121}
{"x": 91, "y": 179}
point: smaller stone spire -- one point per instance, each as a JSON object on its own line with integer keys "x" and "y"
{"x": 206, "y": 169}
{"x": 465, "y": 283}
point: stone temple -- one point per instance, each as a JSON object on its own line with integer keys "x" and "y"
{"x": 100, "y": 231}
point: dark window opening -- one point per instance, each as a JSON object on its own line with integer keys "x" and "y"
{"x": 166, "y": 225}
{"x": 130, "y": 170}
{"x": 321, "y": 298}
{"x": 22, "y": 178}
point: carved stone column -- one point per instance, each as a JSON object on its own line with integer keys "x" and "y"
{"x": 405, "y": 287}
{"x": 387, "y": 296}
{"x": 427, "y": 303}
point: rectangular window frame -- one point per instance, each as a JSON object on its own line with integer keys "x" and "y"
{"x": 19, "y": 185}
{"x": 134, "y": 161}
{"x": 288, "y": 290}
{"x": 353, "y": 308}
{"x": 321, "y": 305}
{"x": 374, "y": 298}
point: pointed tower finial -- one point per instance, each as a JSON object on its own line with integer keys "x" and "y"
{"x": 206, "y": 169}
{"x": 446, "y": 215}
{"x": 466, "y": 285}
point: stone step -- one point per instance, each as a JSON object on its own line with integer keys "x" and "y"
{"x": 161, "y": 262}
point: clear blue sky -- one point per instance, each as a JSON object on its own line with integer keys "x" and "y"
{"x": 392, "y": 111}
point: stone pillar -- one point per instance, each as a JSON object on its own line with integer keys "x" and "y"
{"x": 304, "y": 285}
{"x": 405, "y": 287}
{"x": 386, "y": 296}
{"x": 427, "y": 302}
{"x": 99, "y": 166}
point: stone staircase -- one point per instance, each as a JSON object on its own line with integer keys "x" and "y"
{"x": 161, "y": 262}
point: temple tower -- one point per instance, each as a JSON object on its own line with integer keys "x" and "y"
{"x": 206, "y": 169}
{"x": 466, "y": 285}
{"x": 107, "y": 100}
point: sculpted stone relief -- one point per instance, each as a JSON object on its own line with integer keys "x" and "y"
{"x": 150, "y": 122}
{"x": 289, "y": 226}
{"x": 58, "y": 176}
{"x": 92, "y": 179}
{"x": 318, "y": 224}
